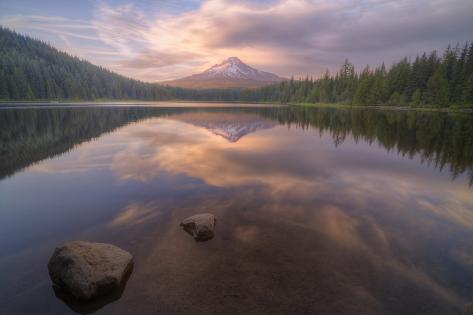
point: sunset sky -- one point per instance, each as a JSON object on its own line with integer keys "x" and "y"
{"x": 167, "y": 39}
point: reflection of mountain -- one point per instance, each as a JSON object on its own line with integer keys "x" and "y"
{"x": 231, "y": 126}
{"x": 29, "y": 135}
{"x": 444, "y": 140}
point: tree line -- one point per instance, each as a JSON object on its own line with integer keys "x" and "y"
{"x": 33, "y": 70}
{"x": 428, "y": 80}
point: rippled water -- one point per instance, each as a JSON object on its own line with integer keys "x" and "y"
{"x": 325, "y": 211}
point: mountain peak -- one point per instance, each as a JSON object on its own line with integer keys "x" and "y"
{"x": 230, "y": 73}
{"x": 233, "y": 67}
{"x": 233, "y": 60}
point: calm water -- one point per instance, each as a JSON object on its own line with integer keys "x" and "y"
{"x": 320, "y": 211}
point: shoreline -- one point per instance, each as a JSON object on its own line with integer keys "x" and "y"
{"x": 385, "y": 107}
{"x": 183, "y": 103}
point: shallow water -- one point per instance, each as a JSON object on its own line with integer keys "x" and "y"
{"x": 326, "y": 211}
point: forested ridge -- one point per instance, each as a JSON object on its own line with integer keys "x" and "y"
{"x": 429, "y": 80}
{"x": 33, "y": 70}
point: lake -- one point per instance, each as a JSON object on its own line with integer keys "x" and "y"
{"x": 319, "y": 210}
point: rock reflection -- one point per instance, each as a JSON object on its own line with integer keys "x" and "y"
{"x": 90, "y": 307}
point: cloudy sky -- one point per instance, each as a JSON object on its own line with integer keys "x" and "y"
{"x": 155, "y": 40}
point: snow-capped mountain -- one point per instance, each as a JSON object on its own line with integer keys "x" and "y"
{"x": 231, "y": 73}
{"x": 230, "y": 126}
{"x": 233, "y": 67}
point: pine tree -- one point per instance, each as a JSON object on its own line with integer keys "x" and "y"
{"x": 467, "y": 95}
{"x": 3, "y": 86}
{"x": 437, "y": 89}
{"x": 416, "y": 98}
{"x": 395, "y": 99}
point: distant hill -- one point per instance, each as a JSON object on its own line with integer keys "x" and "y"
{"x": 32, "y": 69}
{"x": 231, "y": 73}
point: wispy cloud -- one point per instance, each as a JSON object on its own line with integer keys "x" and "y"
{"x": 123, "y": 27}
{"x": 158, "y": 41}
{"x": 52, "y": 24}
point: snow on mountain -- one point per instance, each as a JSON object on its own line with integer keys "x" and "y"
{"x": 233, "y": 67}
{"x": 231, "y": 73}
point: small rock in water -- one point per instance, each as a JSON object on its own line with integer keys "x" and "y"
{"x": 87, "y": 270}
{"x": 200, "y": 226}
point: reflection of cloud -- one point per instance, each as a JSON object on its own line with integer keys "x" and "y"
{"x": 451, "y": 209}
{"x": 85, "y": 157}
{"x": 360, "y": 222}
{"x": 130, "y": 165}
{"x": 246, "y": 233}
{"x": 135, "y": 213}
{"x": 176, "y": 148}
{"x": 463, "y": 256}
{"x": 339, "y": 226}
{"x": 179, "y": 148}
{"x": 293, "y": 181}
{"x": 341, "y": 201}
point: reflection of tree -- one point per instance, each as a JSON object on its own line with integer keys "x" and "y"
{"x": 31, "y": 135}
{"x": 445, "y": 140}
{"x": 439, "y": 138}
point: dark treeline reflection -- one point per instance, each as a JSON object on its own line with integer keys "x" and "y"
{"x": 440, "y": 139}
{"x": 33, "y": 134}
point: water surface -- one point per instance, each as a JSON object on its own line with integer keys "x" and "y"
{"x": 326, "y": 211}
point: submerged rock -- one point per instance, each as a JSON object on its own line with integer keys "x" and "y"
{"x": 200, "y": 226}
{"x": 87, "y": 270}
